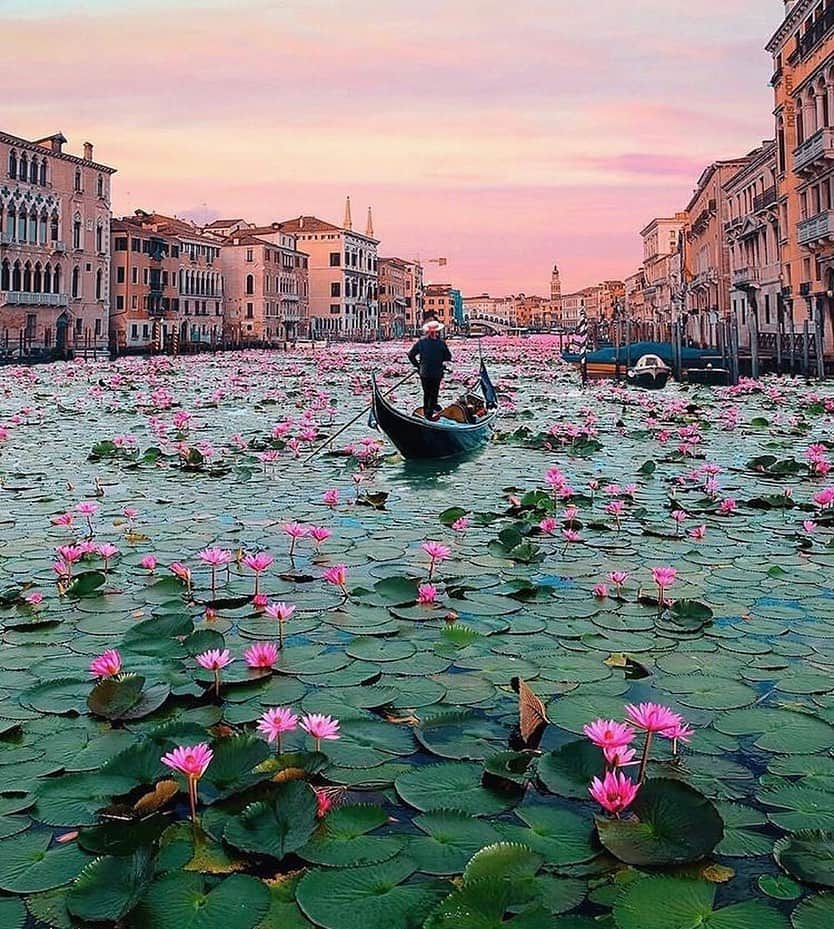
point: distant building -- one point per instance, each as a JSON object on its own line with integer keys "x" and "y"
{"x": 445, "y": 303}
{"x": 54, "y": 246}
{"x": 661, "y": 242}
{"x": 751, "y": 226}
{"x": 266, "y": 286}
{"x": 400, "y": 297}
{"x": 166, "y": 282}
{"x": 343, "y": 276}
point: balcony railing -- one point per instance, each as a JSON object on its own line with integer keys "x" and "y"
{"x": 765, "y": 199}
{"x": 59, "y": 246}
{"x": 24, "y": 298}
{"x": 704, "y": 278}
{"x": 813, "y": 36}
{"x": 744, "y": 276}
{"x": 815, "y": 150}
{"x": 816, "y": 228}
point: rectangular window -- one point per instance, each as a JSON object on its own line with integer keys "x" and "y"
{"x": 175, "y": 251}
{"x": 145, "y": 331}
{"x": 334, "y": 308}
{"x": 134, "y": 302}
{"x": 335, "y": 289}
{"x": 164, "y": 278}
{"x": 250, "y": 311}
{"x": 98, "y": 327}
{"x": 134, "y": 275}
{"x": 120, "y": 302}
{"x": 136, "y": 245}
{"x": 767, "y": 308}
{"x": 335, "y": 259}
{"x": 120, "y": 245}
{"x": 120, "y": 274}
{"x": 249, "y": 254}
{"x": 79, "y": 322}
{"x": 134, "y": 331}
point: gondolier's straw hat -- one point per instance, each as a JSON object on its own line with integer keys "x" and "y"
{"x": 433, "y": 326}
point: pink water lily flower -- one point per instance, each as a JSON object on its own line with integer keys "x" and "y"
{"x": 809, "y": 525}
{"x": 324, "y": 802}
{"x": 619, "y": 757}
{"x": 618, "y": 578}
{"x": 461, "y": 524}
{"x": 426, "y": 594}
{"x": 331, "y": 498}
{"x": 215, "y": 558}
{"x": 678, "y": 732}
{"x": 107, "y": 551}
{"x": 601, "y": 591}
{"x": 727, "y": 506}
{"x": 652, "y": 717}
{"x": 548, "y": 525}
{"x": 614, "y": 793}
{"x": 258, "y": 562}
{"x": 320, "y": 727}
{"x": 698, "y": 532}
{"x": 63, "y": 519}
{"x": 337, "y": 576}
{"x": 130, "y": 513}
{"x": 320, "y": 534}
{"x": 108, "y": 664}
{"x": 34, "y": 599}
{"x": 607, "y": 733}
{"x": 437, "y": 553}
{"x": 192, "y": 761}
{"x": 275, "y": 722}
{"x": 261, "y": 655}
{"x": 282, "y": 612}
{"x": 181, "y": 572}
{"x": 148, "y": 563}
{"x": 295, "y": 531}
{"x": 663, "y": 577}
{"x": 214, "y": 660}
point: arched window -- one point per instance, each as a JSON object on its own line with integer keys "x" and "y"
{"x": 43, "y": 172}
{"x": 33, "y": 225}
{"x": 16, "y": 276}
{"x": 76, "y": 231}
{"x": 250, "y": 284}
{"x": 98, "y": 284}
{"x": 23, "y": 167}
{"x": 37, "y": 279}
{"x": 53, "y": 228}
{"x": 76, "y": 281}
{"x": 11, "y": 222}
{"x": 56, "y": 280}
{"x": 13, "y": 164}
{"x": 21, "y": 224}
{"x": 33, "y": 171}
{"x": 47, "y": 279}
{"x": 42, "y": 228}
{"x": 78, "y": 180}
{"x": 27, "y": 277}
{"x": 5, "y": 275}
{"x": 100, "y": 186}
{"x": 99, "y": 238}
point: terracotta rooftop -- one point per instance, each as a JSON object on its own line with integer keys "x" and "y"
{"x": 303, "y": 224}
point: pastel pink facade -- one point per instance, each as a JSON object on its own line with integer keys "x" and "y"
{"x": 54, "y": 247}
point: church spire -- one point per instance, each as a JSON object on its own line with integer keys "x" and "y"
{"x": 348, "y": 224}
{"x": 369, "y": 227}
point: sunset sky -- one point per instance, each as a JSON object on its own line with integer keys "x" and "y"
{"x": 502, "y": 135}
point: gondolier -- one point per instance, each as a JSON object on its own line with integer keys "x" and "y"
{"x": 428, "y": 355}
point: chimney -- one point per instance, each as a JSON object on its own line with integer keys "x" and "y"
{"x": 300, "y": 222}
{"x": 348, "y": 224}
{"x": 88, "y": 151}
{"x": 369, "y": 227}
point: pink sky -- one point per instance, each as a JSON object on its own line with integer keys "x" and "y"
{"x": 505, "y": 137}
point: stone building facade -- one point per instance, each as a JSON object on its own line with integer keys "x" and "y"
{"x": 54, "y": 246}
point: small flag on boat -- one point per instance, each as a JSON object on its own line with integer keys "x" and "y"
{"x": 490, "y": 395}
{"x": 582, "y": 333}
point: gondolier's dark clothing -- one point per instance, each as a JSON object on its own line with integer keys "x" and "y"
{"x": 428, "y": 355}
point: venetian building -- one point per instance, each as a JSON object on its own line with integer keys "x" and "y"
{"x": 635, "y": 306}
{"x": 555, "y": 312}
{"x": 393, "y": 288}
{"x": 166, "y": 283}
{"x": 445, "y": 303}
{"x": 753, "y": 234}
{"x": 660, "y": 243}
{"x": 343, "y": 275}
{"x": 803, "y": 82}
{"x": 54, "y": 246}
{"x": 707, "y": 253}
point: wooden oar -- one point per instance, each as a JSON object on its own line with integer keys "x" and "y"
{"x": 361, "y": 413}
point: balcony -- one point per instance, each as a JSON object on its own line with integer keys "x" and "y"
{"x": 745, "y": 277}
{"x": 23, "y": 298}
{"x": 814, "y": 152}
{"x": 59, "y": 247}
{"x": 704, "y": 279}
{"x": 812, "y": 37}
{"x": 819, "y": 228}
{"x": 5, "y": 238}
{"x": 766, "y": 199}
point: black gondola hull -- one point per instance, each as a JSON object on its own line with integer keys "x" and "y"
{"x": 415, "y": 438}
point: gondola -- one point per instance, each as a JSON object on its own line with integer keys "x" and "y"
{"x": 463, "y": 426}
{"x": 650, "y": 372}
